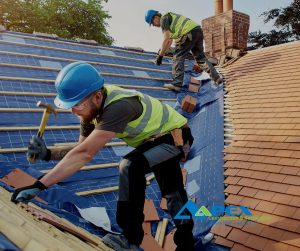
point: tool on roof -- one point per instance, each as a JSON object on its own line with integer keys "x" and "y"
{"x": 48, "y": 110}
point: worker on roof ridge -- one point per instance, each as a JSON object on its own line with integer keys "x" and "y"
{"x": 159, "y": 134}
{"x": 188, "y": 37}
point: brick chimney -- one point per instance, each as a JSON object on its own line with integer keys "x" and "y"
{"x": 226, "y": 30}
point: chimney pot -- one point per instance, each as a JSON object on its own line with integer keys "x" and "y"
{"x": 228, "y": 5}
{"x": 218, "y": 7}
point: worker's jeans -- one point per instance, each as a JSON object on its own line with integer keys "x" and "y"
{"x": 161, "y": 157}
{"x": 181, "y": 52}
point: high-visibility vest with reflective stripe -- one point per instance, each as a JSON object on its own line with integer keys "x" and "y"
{"x": 156, "y": 118}
{"x": 180, "y": 25}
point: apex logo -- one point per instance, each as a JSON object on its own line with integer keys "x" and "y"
{"x": 215, "y": 211}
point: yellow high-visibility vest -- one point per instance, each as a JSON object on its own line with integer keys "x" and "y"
{"x": 180, "y": 25}
{"x": 156, "y": 118}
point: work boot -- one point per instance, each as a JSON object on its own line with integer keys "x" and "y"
{"x": 119, "y": 243}
{"x": 172, "y": 87}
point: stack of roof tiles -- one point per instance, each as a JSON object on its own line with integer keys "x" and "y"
{"x": 262, "y": 168}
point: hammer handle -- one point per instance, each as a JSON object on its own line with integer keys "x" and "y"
{"x": 40, "y": 133}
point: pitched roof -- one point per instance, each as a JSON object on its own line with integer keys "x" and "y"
{"x": 28, "y": 68}
{"x": 262, "y": 162}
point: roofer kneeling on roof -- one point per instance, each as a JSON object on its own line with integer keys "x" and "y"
{"x": 141, "y": 121}
{"x": 188, "y": 37}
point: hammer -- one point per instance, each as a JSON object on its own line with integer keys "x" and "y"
{"x": 48, "y": 109}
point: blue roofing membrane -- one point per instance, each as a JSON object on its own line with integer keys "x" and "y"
{"x": 119, "y": 66}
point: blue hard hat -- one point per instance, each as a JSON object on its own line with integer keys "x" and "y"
{"x": 149, "y": 15}
{"x": 75, "y": 82}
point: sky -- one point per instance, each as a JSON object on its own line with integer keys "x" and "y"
{"x": 128, "y": 27}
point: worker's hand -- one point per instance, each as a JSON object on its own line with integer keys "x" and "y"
{"x": 158, "y": 60}
{"x": 38, "y": 149}
{"x": 24, "y": 194}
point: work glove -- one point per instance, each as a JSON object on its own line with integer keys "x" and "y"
{"x": 158, "y": 60}
{"x": 38, "y": 149}
{"x": 24, "y": 194}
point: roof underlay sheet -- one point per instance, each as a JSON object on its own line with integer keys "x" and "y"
{"x": 28, "y": 67}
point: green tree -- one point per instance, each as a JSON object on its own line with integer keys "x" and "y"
{"x": 287, "y": 22}
{"x": 67, "y": 18}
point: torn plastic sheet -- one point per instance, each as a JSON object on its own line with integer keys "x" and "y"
{"x": 98, "y": 216}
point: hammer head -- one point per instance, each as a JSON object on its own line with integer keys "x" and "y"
{"x": 48, "y": 107}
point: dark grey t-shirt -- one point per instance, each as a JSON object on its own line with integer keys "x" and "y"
{"x": 166, "y": 21}
{"x": 115, "y": 116}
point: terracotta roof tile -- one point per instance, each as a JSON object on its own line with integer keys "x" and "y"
{"x": 245, "y": 173}
{"x": 294, "y": 180}
{"x": 238, "y": 247}
{"x": 223, "y": 242}
{"x": 265, "y": 185}
{"x": 266, "y": 206}
{"x": 237, "y": 235}
{"x": 295, "y": 201}
{"x": 276, "y": 177}
{"x": 291, "y": 239}
{"x": 260, "y": 175}
{"x": 282, "y": 198}
{"x": 290, "y": 170}
{"x": 272, "y": 233}
{"x": 233, "y": 199}
{"x": 244, "y": 165}
{"x": 231, "y": 172}
{"x": 221, "y": 230}
{"x": 256, "y": 242}
{"x": 232, "y": 180}
{"x": 263, "y": 161}
{"x": 246, "y": 191}
{"x": 275, "y": 246}
{"x": 272, "y": 168}
{"x": 286, "y": 211}
{"x": 246, "y": 182}
{"x": 280, "y": 188}
{"x": 249, "y": 202}
{"x": 293, "y": 190}
{"x": 233, "y": 189}
{"x": 297, "y": 215}
{"x": 297, "y": 163}
{"x": 287, "y": 161}
{"x": 253, "y": 227}
{"x": 284, "y": 153}
{"x": 288, "y": 224}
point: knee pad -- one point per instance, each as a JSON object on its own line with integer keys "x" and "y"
{"x": 124, "y": 166}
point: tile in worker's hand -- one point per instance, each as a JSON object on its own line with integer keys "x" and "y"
{"x": 17, "y": 178}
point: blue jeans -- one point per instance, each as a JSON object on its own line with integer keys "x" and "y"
{"x": 195, "y": 45}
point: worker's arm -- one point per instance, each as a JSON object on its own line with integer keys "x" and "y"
{"x": 59, "y": 152}
{"x": 71, "y": 163}
{"x": 166, "y": 44}
{"x": 78, "y": 157}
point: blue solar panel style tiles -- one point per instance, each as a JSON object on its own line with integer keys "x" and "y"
{"x": 22, "y": 87}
